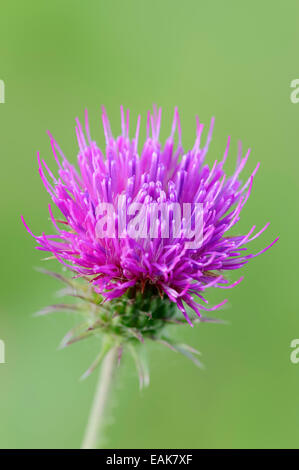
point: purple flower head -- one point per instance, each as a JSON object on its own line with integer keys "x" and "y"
{"x": 150, "y": 174}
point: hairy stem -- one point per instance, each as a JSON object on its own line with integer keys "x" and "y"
{"x": 93, "y": 433}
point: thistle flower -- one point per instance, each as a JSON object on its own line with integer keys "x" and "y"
{"x": 132, "y": 287}
{"x": 165, "y": 174}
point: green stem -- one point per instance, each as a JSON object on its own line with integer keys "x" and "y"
{"x": 93, "y": 433}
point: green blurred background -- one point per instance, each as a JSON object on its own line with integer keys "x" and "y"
{"x": 228, "y": 59}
